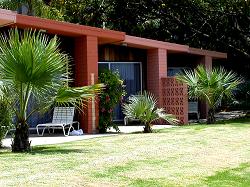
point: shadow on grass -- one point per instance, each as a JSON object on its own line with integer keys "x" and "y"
{"x": 52, "y": 150}
{"x": 239, "y": 123}
{"x": 238, "y": 120}
{"x": 239, "y": 176}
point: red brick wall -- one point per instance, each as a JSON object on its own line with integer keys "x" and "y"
{"x": 175, "y": 98}
{"x": 156, "y": 68}
{"x": 86, "y": 63}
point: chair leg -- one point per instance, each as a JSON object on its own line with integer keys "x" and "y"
{"x": 37, "y": 130}
{"x": 48, "y": 129}
{"x": 125, "y": 121}
{"x": 70, "y": 127}
{"x": 63, "y": 131}
{"x": 6, "y": 134}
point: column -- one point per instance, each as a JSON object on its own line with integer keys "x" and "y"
{"x": 207, "y": 61}
{"x": 156, "y": 68}
{"x": 86, "y": 69}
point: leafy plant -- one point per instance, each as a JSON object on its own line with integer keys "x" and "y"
{"x": 5, "y": 118}
{"x": 144, "y": 108}
{"x": 211, "y": 85}
{"x": 243, "y": 97}
{"x": 109, "y": 98}
{"x": 31, "y": 65}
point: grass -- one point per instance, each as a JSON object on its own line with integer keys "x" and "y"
{"x": 200, "y": 155}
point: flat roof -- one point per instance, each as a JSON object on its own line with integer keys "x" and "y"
{"x": 7, "y": 17}
{"x": 145, "y": 43}
{"x": 105, "y": 36}
{"x": 58, "y": 27}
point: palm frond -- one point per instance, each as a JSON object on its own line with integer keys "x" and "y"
{"x": 32, "y": 66}
{"x": 144, "y": 108}
{"x": 77, "y": 96}
{"x": 210, "y": 84}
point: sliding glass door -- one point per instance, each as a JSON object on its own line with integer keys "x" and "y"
{"x": 131, "y": 73}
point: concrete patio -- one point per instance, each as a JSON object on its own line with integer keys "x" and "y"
{"x": 59, "y": 138}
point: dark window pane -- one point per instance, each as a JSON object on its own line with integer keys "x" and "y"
{"x": 102, "y": 66}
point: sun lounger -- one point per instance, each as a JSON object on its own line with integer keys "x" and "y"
{"x": 62, "y": 119}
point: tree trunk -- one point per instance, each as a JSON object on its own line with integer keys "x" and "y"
{"x": 147, "y": 128}
{"x": 21, "y": 141}
{"x": 210, "y": 117}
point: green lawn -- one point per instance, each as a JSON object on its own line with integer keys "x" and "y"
{"x": 215, "y": 155}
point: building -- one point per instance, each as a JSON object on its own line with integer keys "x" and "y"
{"x": 143, "y": 63}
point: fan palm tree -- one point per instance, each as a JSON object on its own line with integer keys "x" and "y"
{"x": 31, "y": 65}
{"x": 210, "y": 85}
{"x": 143, "y": 107}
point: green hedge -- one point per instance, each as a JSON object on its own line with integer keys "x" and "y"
{"x": 5, "y": 118}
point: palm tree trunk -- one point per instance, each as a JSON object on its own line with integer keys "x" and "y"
{"x": 210, "y": 116}
{"x": 21, "y": 141}
{"x": 147, "y": 128}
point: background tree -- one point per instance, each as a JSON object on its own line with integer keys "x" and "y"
{"x": 209, "y": 24}
{"x": 32, "y": 8}
{"x": 88, "y": 12}
{"x": 31, "y": 65}
{"x": 211, "y": 85}
{"x": 221, "y": 25}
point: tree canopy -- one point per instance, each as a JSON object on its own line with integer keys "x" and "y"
{"x": 210, "y": 24}
{"x": 222, "y": 25}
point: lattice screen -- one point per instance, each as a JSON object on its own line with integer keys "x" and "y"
{"x": 175, "y": 98}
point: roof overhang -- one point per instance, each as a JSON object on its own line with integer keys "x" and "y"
{"x": 7, "y": 17}
{"x": 202, "y": 52}
{"x": 58, "y": 27}
{"x": 12, "y": 19}
{"x": 144, "y": 43}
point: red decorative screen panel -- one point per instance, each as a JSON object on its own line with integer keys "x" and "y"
{"x": 175, "y": 98}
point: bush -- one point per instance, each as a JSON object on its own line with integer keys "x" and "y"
{"x": 109, "y": 98}
{"x": 144, "y": 108}
{"x": 243, "y": 97}
{"x": 5, "y": 118}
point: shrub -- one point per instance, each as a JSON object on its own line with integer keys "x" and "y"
{"x": 143, "y": 107}
{"x": 109, "y": 98}
{"x": 210, "y": 85}
{"x": 243, "y": 97}
{"x": 5, "y": 119}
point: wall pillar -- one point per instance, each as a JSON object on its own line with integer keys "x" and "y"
{"x": 207, "y": 61}
{"x": 86, "y": 68}
{"x": 156, "y": 69}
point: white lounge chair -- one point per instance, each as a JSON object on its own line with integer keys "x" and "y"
{"x": 62, "y": 119}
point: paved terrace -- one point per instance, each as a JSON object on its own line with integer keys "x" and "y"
{"x": 59, "y": 138}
